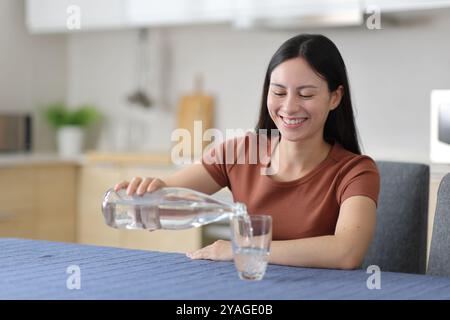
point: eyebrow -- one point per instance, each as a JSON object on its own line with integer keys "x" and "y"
{"x": 300, "y": 87}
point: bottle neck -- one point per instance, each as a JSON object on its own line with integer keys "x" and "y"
{"x": 239, "y": 209}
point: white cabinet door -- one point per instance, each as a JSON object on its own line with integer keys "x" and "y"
{"x": 177, "y": 12}
{"x": 286, "y": 8}
{"x": 46, "y": 16}
{"x": 294, "y": 13}
{"x": 62, "y": 15}
{"x": 405, "y": 5}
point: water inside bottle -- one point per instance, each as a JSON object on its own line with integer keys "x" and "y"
{"x": 174, "y": 212}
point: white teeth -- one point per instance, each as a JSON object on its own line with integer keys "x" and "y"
{"x": 293, "y": 121}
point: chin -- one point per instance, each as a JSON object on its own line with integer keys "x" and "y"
{"x": 289, "y": 136}
{"x": 292, "y": 139}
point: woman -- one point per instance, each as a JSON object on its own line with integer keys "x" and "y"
{"x": 323, "y": 194}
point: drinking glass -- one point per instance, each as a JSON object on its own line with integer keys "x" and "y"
{"x": 251, "y": 236}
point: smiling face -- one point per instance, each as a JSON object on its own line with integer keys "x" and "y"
{"x": 299, "y": 101}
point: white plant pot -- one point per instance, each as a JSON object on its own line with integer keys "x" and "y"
{"x": 70, "y": 141}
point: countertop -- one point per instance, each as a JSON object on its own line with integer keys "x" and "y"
{"x": 89, "y": 158}
{"x": 17, "y": 159}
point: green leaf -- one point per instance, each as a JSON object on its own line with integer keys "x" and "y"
{"x": 58, "y": 115}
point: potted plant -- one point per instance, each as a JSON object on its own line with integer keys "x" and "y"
{"x": 70, "y": 125}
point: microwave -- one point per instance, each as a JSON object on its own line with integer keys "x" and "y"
{"x": 15, "y": 133}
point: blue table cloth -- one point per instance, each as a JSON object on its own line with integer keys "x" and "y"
{"x": 31, "y": 269}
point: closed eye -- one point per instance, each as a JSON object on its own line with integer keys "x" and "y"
{"x": 280, "y": 94}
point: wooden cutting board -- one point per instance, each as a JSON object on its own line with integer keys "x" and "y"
{"x": 196, "y": 107}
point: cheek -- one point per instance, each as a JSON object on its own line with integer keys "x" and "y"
{"x": 316, "y": 108}
{"x": 271, "y": 105}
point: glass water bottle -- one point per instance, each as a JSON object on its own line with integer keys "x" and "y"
{"x": 166, "y": 208}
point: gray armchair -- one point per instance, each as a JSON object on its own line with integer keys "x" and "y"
{"x": 400, "y": 240}
{"x": 439, "y": 261}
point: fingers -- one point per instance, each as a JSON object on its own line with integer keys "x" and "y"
{"x": 150, "y": 185}
{"x": 140, "y": 186}
{"x": 155, "y": 184}
{"x": 134, "y": 184}
{"x": 198, "y": 254}
{"x": 202, "y": 253}
{"x": 219, "y": 250}
{"x": 121, "y": 185}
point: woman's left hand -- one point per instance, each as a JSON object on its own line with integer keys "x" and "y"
{"x": 219, "y": 250}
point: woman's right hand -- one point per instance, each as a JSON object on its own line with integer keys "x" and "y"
{"x": 140, "y": 185}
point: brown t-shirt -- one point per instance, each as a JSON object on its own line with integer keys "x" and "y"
{"x": 301, "y": 208}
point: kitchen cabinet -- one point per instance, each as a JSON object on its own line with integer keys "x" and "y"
{"x": 47, "y": 16}
{"x": 93, "y": 183}
{"x": 292, "y": 14}
{"x": 178, "y": 12}
{"x": 52, "y": 15}
{"x": 95, "y": 179}
{"x": 286, "y": 8}
{"x": 38, "y": 201}
{"x": 387, "y": 6}
{"x": 55, "y": 188}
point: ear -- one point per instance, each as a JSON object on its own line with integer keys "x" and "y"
{"x": 336, "y": 97}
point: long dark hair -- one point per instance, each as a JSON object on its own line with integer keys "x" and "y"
{"x": 324, "y": 57}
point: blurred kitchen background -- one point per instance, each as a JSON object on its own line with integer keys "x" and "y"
{"x": 143, "y": 65}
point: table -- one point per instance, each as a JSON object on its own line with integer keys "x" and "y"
{"x": 31, "y": 269}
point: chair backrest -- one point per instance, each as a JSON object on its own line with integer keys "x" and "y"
{"x": 400, "y": 241}
{"x": 439, "y": 261}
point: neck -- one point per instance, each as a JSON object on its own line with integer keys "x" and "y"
{"x": 302, "y": 155}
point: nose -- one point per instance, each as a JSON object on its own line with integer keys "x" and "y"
{"x": 291, "y": 104}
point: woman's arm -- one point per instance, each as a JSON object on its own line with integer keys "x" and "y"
{"x": 343, "y": 250}
{"x": 194, "y": 177}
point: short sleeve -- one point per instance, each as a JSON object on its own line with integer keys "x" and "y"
{"x": 360, "y": 177}
{"x": 239, "y": 152}
{"x": 213, "y": 161}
